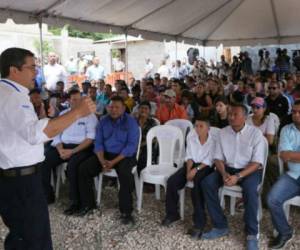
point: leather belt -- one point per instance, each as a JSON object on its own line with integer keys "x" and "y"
{"x": 22, "y": 171}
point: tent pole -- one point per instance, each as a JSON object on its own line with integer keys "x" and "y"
{"x": 41, "y": 48}
{"x": 176, "y": 49}
{"x": 126, "y": 57}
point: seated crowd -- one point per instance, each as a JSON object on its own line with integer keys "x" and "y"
{"x": 249, "y": 111}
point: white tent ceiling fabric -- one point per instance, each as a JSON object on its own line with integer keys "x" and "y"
{"x": 205, "y": 22}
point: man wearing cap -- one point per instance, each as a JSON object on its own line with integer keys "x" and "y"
{"x": 23, "y": 207}
{"x": 170, "y": 109}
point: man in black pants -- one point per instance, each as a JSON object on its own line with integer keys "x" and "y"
{"x": 73, "y": 146}
{"x": 116, "y": 144}
{"x": 23, "y": 207}
{"x": 200, "y": 147}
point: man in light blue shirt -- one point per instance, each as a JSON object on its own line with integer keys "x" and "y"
{"x": 288, "y": 186}
{"x": 73, "y": 145}
{"x": 95, "y": 72}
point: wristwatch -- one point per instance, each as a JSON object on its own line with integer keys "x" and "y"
{"x": 238, "y": 176}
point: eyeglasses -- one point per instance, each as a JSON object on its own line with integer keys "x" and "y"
{"x": 32, "y": 67}
{"x": 272, "y": 88}
{"x": 256, "y": 106}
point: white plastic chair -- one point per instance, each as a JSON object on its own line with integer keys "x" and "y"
{"x": 167, "y": 136}
{"x": 113, "y": 173}
{"x": 295, "y": 201}
{"x": 60, "y": 177}
{"x": 276, "y": 121}
{"x": 236, "y": 191}
{"x": 185, "y": 126}
{"x": 213, "y": 131}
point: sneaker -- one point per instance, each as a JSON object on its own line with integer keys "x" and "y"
{"x": 127, "y": 219}
{"x": 195, "y": 233}
{"x": 167, "y": 221}
{"x": 215, "y": 233}
{"x": 280, "y": 241}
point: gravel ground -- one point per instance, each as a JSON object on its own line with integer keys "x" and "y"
{"x": 102, "y": 229}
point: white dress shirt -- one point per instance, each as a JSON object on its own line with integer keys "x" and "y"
{"x": 77, "y": 132}
{"x": 148, "y": 69}
{"x": 53, "y": 74}
{"x": 95, "y": 73}
{"x": 21, "y": 132}
{"x": 237, "y": 150}
{"x": 197, "y": 152}
{"x": 164, "y": 71}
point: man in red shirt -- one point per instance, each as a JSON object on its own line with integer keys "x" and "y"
{"x": 170, "y": 109}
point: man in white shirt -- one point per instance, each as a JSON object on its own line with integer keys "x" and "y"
{"x": 119, "y": 65}
{"x": 95, "y": 72}
{"x": 199, "y": 154}
{"x": 23, "y": 207}
{"x": 54, "y": 72}
{"x": 164, "y": 70}
{"x": 178, "y": 71}
{"x": 148, "y": 69}
{"x": 73, "y": 146}
{"x": 239, "y": 157}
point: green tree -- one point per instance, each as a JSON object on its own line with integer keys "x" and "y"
{"x": 81, "y": 34}
{"x": 47, "y": 47}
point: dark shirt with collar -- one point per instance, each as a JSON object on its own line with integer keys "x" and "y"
{"x": 118, "y": 136}
{"x": 279, "y": 106}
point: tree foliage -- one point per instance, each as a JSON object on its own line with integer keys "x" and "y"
{"x": 81, "y": 34}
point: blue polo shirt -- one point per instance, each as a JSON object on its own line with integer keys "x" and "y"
{"x": 118, "y": 136}
{"x": 290, "y": 141}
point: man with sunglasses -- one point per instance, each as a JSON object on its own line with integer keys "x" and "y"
{"x": 288, "y": 185}
{"x": 276, "y": 101}
{"x": 23, "y": 206}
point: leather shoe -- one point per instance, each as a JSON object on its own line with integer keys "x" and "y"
{"x": 71, "y": 210}
{"x": 84, "y": 211}
{"x": 127, "y": 219}
{"x": 169, "y": 220}
{"x": 280, "y": 241}
{"x": 195, "y": 233}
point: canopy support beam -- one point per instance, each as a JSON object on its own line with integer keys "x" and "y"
{"x": 151, "y": 13}
{"x": 275, "y": 20}
{"x": 222, "y": 21}
{"x": 205, "y": 17}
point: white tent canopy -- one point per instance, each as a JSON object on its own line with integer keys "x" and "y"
{"x": 206, "y": 22}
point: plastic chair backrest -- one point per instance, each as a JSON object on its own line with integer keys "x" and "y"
{"x": 139, "y": 145}
{"x": 266, "y": 152}
{"x": 276, "y": 120}
{"x": 185, "y": 125}
{"x": 167, "y": 136}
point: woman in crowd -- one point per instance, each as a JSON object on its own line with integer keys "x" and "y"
{"x": 219, "y": 116}
{"x": 261, "y": 119}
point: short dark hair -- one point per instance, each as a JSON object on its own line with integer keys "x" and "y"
{"x": 223, "y": 99}
{"x": 145, "y": 103}
{"x": 240, "y": 105}
{"x": 13, "y": 57}
{"x": 60, "y": 83}
{"x": 117, "y": 99}
{"x": 73, "y": 91}
{"x": 202, "y": 118}
{"x": 297, "y": 102}
{"x": 35, "y": 91}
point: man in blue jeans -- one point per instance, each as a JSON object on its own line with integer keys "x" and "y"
{"x": 239, "y": 157}
{"x": 288, "y": 185}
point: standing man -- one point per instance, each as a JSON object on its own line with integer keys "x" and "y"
{"x": 95, "y": 72}
{"x": 23, "y": 207}
{"x": 148, "y": 69}
{"x": 54, "y": 72}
